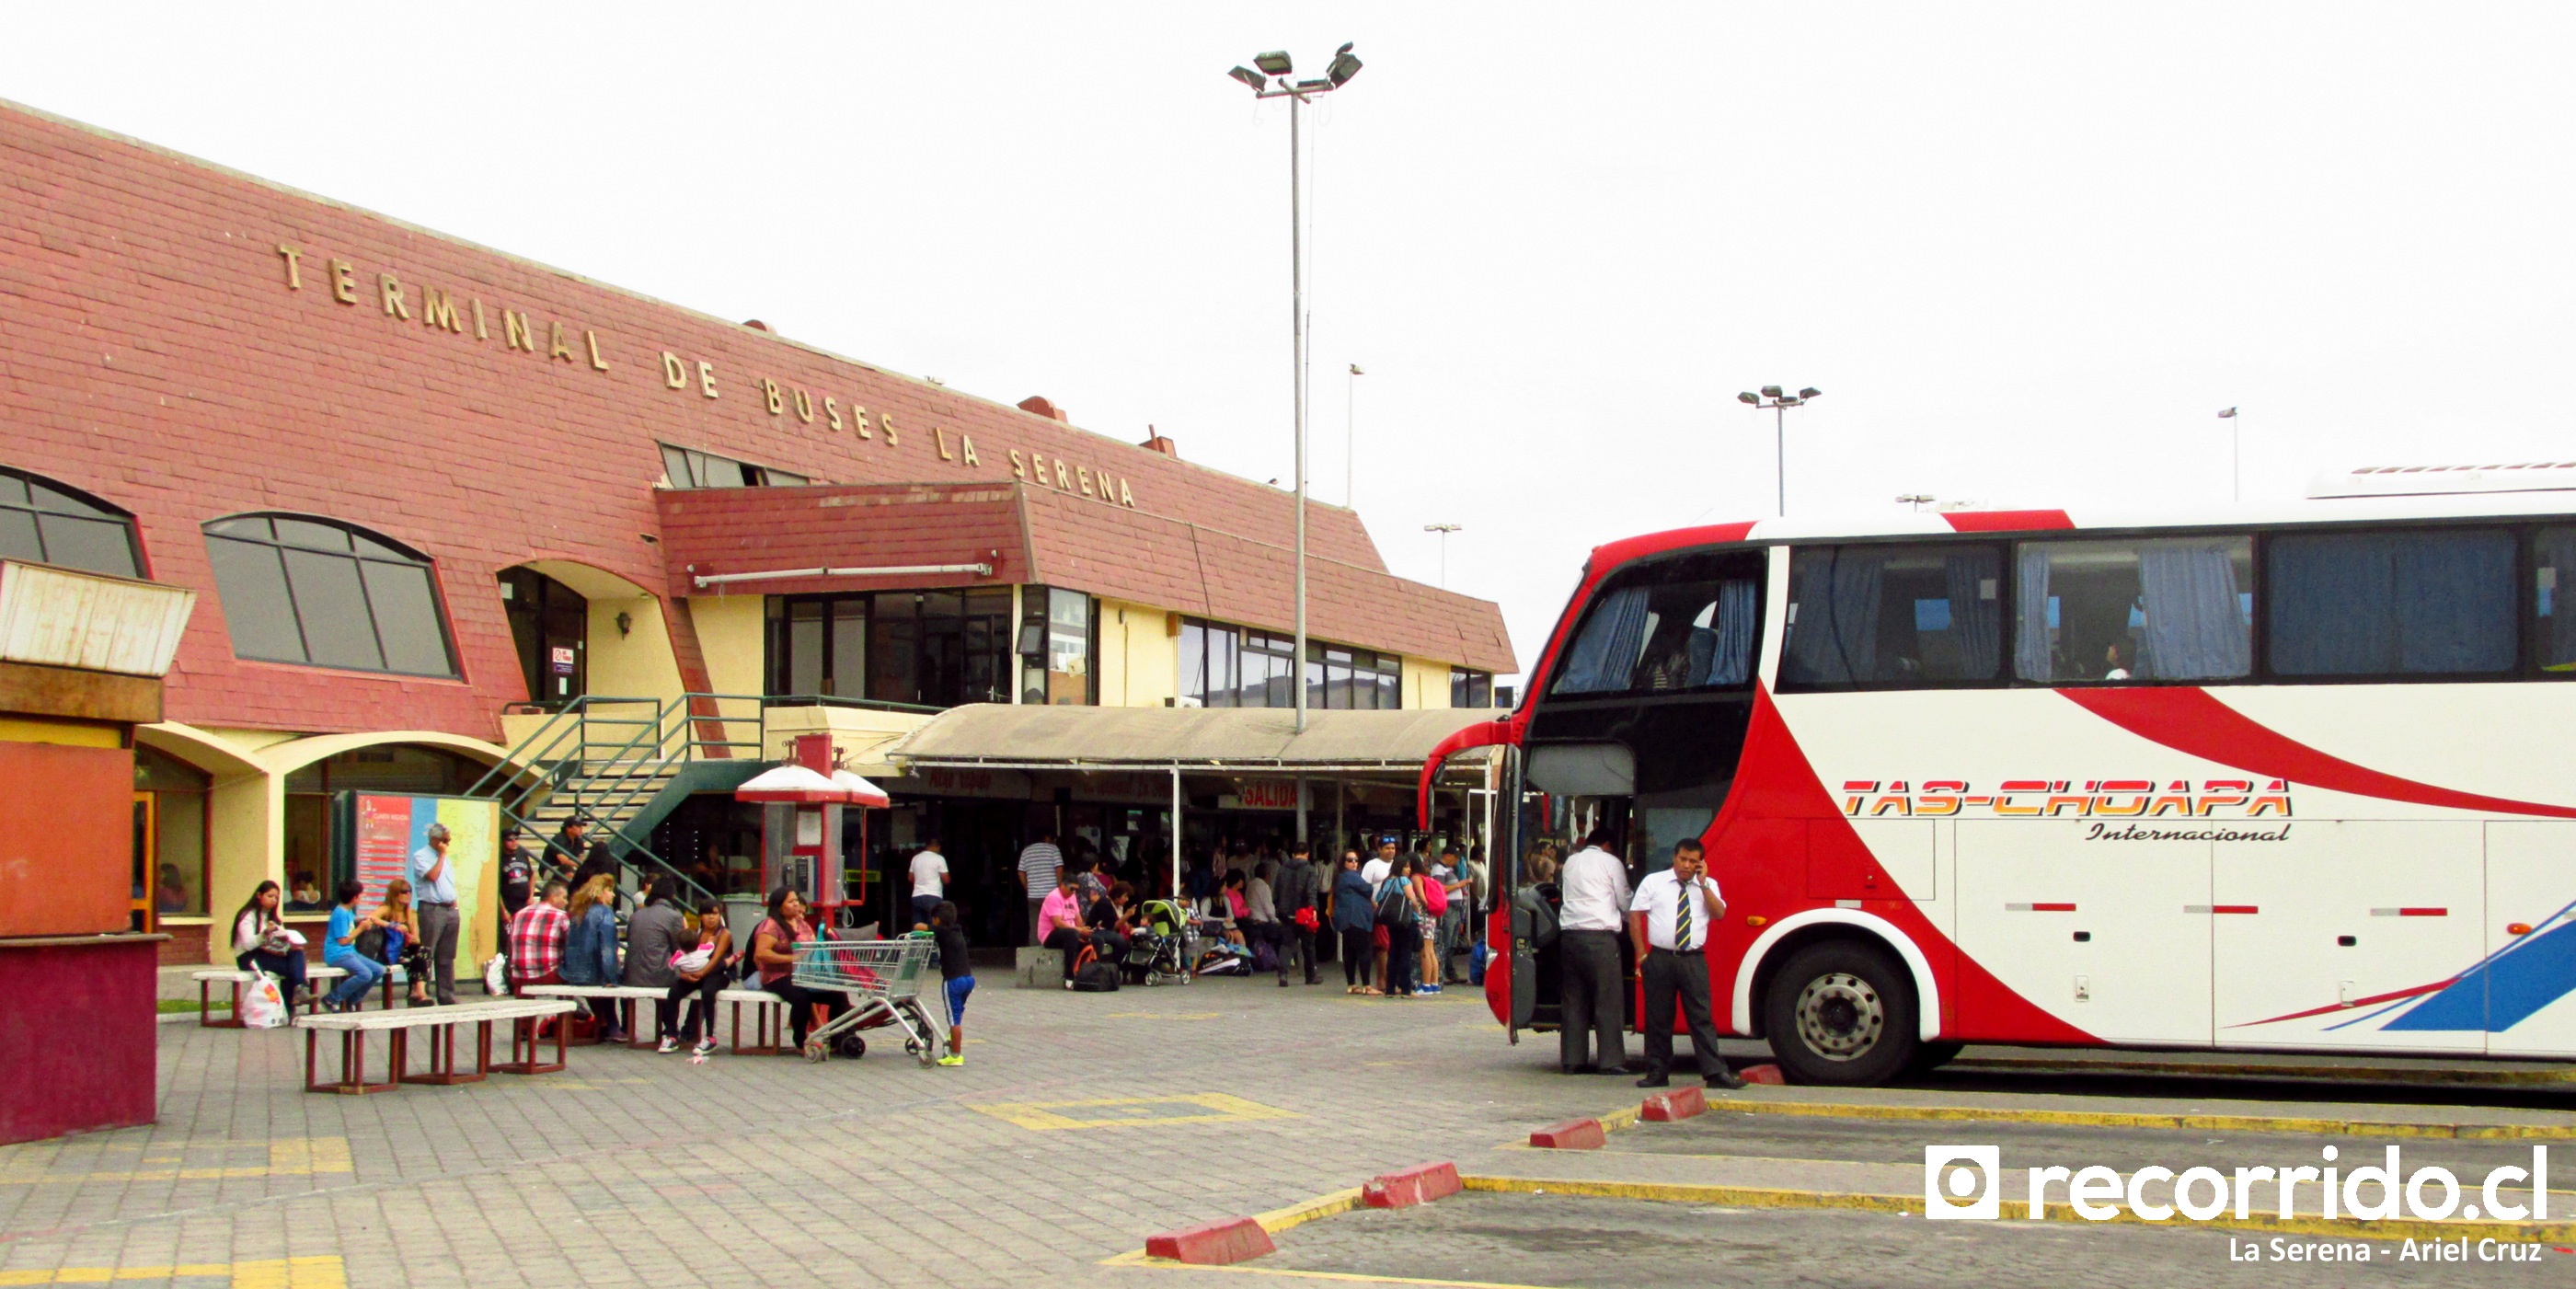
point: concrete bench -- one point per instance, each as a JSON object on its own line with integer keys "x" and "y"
{"x": 441, "y": 1022}
{"x": 627, "y": 997}
{"x": 768, "y": 1022}
{"x": 207, "y": 980}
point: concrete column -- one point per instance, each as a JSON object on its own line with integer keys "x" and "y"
{"x": 246, "y": 845}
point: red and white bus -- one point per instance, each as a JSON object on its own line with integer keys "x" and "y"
{"x": 2300, "y": 778}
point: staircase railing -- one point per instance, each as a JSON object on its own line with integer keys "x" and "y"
{"x": 612, "y": 752}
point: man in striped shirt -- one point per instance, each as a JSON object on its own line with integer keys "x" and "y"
{"x": 1038, "y": 866}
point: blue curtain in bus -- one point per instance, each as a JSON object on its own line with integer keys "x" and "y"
{"x": 1835, "y": 638}
{"x": 1976, "y": 613}
{"x": 2555, "y": 558}
{"x": 1607, "y": 650}
{"x": 1728, "y": 645}
{"x": 2357, "y": 604}
{"x": 2195, "y": 624}
{"x": 2032, "y": 647}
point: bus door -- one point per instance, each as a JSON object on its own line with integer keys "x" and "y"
{"x": 1638, "y": 732}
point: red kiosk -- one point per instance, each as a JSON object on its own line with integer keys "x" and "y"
{"x": 810, "y": 861}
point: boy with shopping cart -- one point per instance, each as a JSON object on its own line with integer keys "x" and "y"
{"x": 956, "y": 975}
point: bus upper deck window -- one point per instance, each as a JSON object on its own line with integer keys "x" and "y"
{"x": 1893, "y": 615}
{"x": 2134, "y": 610}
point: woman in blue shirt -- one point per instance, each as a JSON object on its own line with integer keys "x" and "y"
{"x": 338, "y": 949}
{"x": 1355, "y": 917}
{"x": 590, "y": 949}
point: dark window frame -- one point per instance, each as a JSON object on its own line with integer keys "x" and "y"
{"x": 404, "y": 556}
{"x": 683, "y": 467}
{"x": 101, "y": 510}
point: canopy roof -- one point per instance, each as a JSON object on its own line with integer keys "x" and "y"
{"x": 1030, "y": 737}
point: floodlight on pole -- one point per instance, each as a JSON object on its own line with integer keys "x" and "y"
{"x": 2235, "y": 455}
{"x": 1350, "y": 440}
{"x": 1774, "y": 401}
{"x": 1444, "y": 530}
{"x": 1277, "y": 64}
{"x": 1917, "y": 500}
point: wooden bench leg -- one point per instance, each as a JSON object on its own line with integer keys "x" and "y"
{"x": 205, "y": 1001}
{"x": 442, "y": 1057}
{"x": 524, "y": 1043}
{"x": 353, "y": 1063}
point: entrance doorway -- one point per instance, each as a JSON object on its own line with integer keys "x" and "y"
{"x": 550, "y": 624}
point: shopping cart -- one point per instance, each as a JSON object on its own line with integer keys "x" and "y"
{"x": 883, "y": 980}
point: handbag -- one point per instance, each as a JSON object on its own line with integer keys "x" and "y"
{"x": 1394, "y": 904}
{"x": 496, "y": 975}
{"x": 370, "y": 944}
{"x": 1307, "y": 921}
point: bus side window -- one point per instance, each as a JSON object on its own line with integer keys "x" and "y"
{"x": 1893, "y": 616}
{"x": 2435, "y": 601}
{"x": 1695, "y": 632}
{"x": 2553, "y": 566}
{"x": 2130, "y": 610}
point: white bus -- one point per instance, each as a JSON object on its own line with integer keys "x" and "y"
{"x": 2295, "y": 778}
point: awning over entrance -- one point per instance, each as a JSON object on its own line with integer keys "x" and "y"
{"x": 1133, "y": 738}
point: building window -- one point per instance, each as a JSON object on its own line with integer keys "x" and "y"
{"x": 44, "y": 522}
{"x": 2169, "y": 609}
{"x": 690, "y": 468}
{"x": 1341, "y": 678}
{"x": 935, "y": 648}
{"x": 1470, "y": 688}
{"x": 1055, "y": 646}
{"x": 170, "y": 833}
{"x": 1895, "y": 616}
{"x": 2422, "y": 602}
{"x": 327, "y": 594}
{"x": 1223, "y": 666}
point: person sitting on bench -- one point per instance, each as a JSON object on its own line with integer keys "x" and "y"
{"x": 260, "y": 943}
{"x": 1060, "y": 922}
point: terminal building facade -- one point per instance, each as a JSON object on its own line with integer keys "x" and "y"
{"x": 436, "y": 501}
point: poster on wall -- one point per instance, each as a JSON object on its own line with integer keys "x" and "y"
{"x": 380, "y": 832}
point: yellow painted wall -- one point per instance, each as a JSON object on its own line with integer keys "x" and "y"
{"x": 729, "y": 634}
{"x": 1426, "y": 683}
{"x": 1139, "y": 659}
{"x": 37, "y": 729}
{"x": 638, "y": 664}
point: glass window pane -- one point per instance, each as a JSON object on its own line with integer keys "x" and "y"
{"x": 1390, "y": 691}
{"x": 59, "y": 502}
{"x": 675, "y": 464}
{"x": 716, "y": 472}
{"x": 312, "y": 536}
{"x": 251, "y": 584}
{"x": 331, "y": 606}
{"x": 407, "y": 622}
{"x": 98, "y": 545}
{"x": 893, "y": 640}
{"x": 849, "y": 649}
{"x": 13, "y": 490}
{"x": 2168, "y": 609}
{"x": 18, "y": 536}
{"x": 2428, "y": 602}
{"x": 179, "y": 839}
{"x": 1192, "y": 688}
{"x": 253, "y": 526}
{"x": 1894, "y": 615}
{"x": 2553, "y": 560}
{"x": 780, "y": 478}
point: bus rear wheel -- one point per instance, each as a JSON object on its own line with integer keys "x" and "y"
{"x": 1841, "y": 1014}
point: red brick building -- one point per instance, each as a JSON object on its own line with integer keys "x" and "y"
{"x": 301, "y": 410}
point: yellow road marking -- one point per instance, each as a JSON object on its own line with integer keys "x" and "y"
{"x": 1136, "y": 1258}
{"x": 287, "y": 1157}
{"x": 2129, "y": 1119}
{"x": 1299, "y": 1214}
{"x": 1781, "y": 1197}
{"x": 269, "y": 1273}
{"x": 1214, "y": 1107}
{"x": 1161, "y": 1015}
{"x": 2333, "y": 1074}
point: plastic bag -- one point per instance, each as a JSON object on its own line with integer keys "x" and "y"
{"x": 496, "y": 975}
{"x": 262, "y": 1006}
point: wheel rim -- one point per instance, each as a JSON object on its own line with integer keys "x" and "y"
{"x": 1841, "y": 1016}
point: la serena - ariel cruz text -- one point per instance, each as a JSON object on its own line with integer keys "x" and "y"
{"x": 2458, "y": 1249}
{"x": 439, "y": 309}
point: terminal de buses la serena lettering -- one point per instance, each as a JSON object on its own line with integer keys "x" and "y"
{"x": 2295, "y": 777}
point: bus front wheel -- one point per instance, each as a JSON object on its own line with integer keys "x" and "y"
{"x": 1842, "y": 1014}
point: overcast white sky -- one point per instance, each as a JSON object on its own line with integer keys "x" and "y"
{"x": 2028, "y": 250}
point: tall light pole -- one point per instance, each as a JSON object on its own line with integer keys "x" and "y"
{"x": 1344, "y": 66}
{"x": 2235, "y": 455}
{"x": 1350, "y": 440}
{"x": 1779, "y": 405}
{"x": 1444, "y": 530}
{"x": 1918, "y": 500}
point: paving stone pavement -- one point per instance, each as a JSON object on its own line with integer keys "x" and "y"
{"x": 1081, "y": 1123}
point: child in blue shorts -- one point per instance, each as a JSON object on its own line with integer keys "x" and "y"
{"x": 958, "y": 975}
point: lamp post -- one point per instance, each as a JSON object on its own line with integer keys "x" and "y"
{"x": 1276, "y": 63}
{"x": 1917, "y": 500}
{"x": 1779, "y": 405}
{"x": 2235, "y": 455}
{"x": 1444, "y": 530}
{"x": 1350, "y": 440}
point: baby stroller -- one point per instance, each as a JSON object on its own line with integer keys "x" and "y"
{"x": 1163, "y": 946}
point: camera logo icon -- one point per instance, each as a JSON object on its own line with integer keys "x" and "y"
{"x": 1949, "y": 1183}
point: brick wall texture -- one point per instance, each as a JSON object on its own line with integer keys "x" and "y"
{"x": 154, "y": 353}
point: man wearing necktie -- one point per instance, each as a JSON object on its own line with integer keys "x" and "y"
{"x": 1669, "y": 921}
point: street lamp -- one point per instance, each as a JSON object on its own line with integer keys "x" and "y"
{"x": 1444, "y": 530}
{"x": 2235, "y": 455}
{"x": 1918, "y": 500}
{"x": 1338, "y": 73}
{"x": 1779, "y": 404}
{"x": 1350, "y": 419}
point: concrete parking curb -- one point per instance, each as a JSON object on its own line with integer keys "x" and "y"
{"x": 2132, "y": 1119}
{"x": 1214, "y": 1244}
{"x": 1667, "y": 1107}
{"x": 1419, "y": 1184}
{"x": 1573, "y": 1134}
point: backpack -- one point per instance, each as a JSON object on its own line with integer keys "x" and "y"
{"x": 1095, "y": 977}
{"x": 1394, "y": 905}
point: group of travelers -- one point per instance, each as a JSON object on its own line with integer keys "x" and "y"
{"x": 1403, "y": 918}
{"x": 1584, "y": 908}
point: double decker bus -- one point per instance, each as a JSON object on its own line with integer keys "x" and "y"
{"x": 2300, "y": 778}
